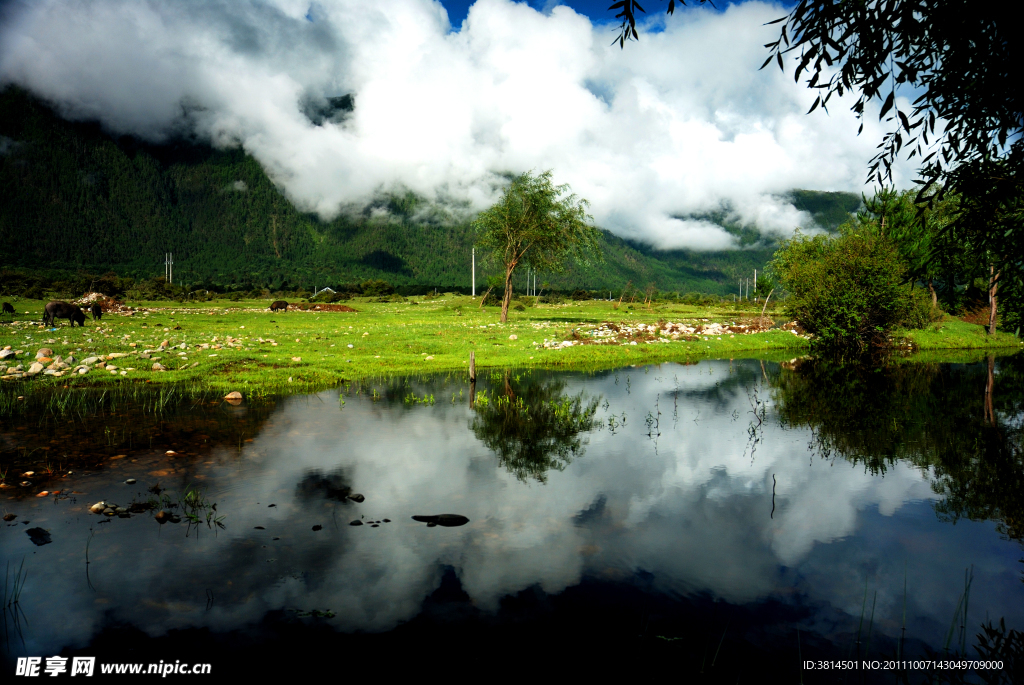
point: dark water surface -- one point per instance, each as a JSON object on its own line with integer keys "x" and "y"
{"x": 729, "y": 518}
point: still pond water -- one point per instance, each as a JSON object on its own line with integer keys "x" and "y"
{"x": 731, "y": 517}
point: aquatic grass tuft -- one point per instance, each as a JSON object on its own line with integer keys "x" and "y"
{"x": 197, "y": 509}
{"x": 11, "y": 606}
{"x": 960, "y": 615}
{"x": 13, "y": 590}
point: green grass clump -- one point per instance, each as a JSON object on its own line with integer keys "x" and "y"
{"x": 953, "y": 334}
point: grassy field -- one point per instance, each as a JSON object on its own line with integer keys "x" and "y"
{"x": 243, "y": 346}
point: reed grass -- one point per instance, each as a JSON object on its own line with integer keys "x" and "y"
{"x": 11, "y": 608}
{"x": 13, "y": 590}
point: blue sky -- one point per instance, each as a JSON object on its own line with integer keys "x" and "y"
{"x": 597, "y": 10}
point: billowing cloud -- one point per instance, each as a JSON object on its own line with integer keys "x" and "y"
{"x": 680, "y": 124}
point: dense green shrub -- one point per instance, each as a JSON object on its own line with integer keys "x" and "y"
{"x": 372, "y": 288}
{"x": 850, "y": 291}
{"x": 155, "y": 289}
{"x": 699, "y": 299}
{"x": 393, "y": 297}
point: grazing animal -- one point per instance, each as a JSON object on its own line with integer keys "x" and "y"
{"x": 8, "y": 309}
{"x": 279, "y": 305}
{"x": 63, "y": 310}
{"x": 97, "y": 311}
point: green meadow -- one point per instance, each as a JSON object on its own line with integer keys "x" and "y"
{"x": 245, "y": 347}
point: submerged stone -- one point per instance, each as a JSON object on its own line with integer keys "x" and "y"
{"x": 446, "y": 520}
{"x": 39, "y": 536}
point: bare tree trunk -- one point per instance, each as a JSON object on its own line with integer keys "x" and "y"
{"x": 990, "y": 415}
{"x": 993, "y": 288}
{"x": 508, "y": 293}
{"x": 624, "y": 291}
{"x": 484, "y": 298}
{"x": 935, "y": 295}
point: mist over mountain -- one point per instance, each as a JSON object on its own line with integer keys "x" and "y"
{"x": 73, "y": 197}
{"x": 341, "y": 102}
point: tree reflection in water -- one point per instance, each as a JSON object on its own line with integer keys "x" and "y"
{"x": 531, "y": 425}
{"x": 964, "y": 422}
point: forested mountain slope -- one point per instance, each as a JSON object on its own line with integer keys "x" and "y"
{"x": 73, "y": 198}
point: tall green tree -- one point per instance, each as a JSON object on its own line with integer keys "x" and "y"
{"x": 536, "y": 224}
{"x": 937, "y": 254}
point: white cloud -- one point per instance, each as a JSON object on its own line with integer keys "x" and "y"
{"x": 679, "y": 124}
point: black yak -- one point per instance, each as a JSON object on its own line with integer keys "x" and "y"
{"x": 279, "y": 305}
{"x": 63, "y": 310}
{"x": 8, "y": 309}
{"x": 97, "y": 311}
